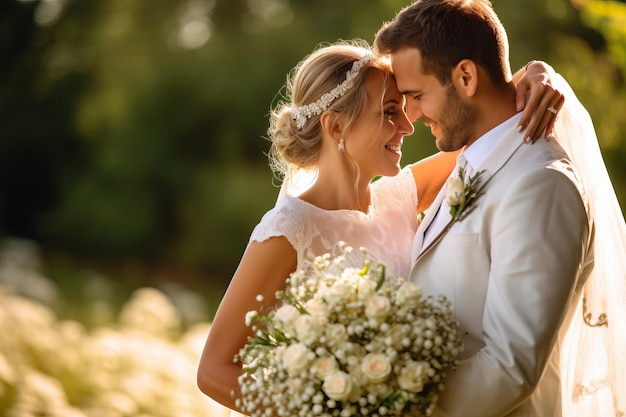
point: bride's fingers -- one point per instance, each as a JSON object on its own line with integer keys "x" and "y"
{"x": 546, "y": 125}
{"x": 543, "y": 115}
{"x": 533, "y": 100}
{"x": 550, "y": 126}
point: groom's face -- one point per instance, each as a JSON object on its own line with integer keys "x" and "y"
{"x": 439, "y": 107}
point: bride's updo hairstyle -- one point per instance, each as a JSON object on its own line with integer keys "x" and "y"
{"x": 331, "y": 78}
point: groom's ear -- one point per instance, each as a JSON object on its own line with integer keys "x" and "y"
{"x": 465, "y": 77}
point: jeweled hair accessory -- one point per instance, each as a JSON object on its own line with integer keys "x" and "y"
{"x": 301, "y": 114}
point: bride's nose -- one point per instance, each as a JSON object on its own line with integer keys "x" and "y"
{"x": 405, "y": 126}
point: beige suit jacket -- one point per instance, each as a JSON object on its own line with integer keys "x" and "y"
{"x": 514, "y": 269}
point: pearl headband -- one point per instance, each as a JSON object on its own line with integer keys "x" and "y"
{"x": 300, "y": 114}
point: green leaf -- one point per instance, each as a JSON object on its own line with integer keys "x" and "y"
{"x": 382, "y": 277}
{"x": 291, "y": 301}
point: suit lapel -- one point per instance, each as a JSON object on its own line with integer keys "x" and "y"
{"x": 494, "y": 162}
{"x": 426, "y": 221}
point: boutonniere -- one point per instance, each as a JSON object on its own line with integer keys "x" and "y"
{"x": 461, "y": 193}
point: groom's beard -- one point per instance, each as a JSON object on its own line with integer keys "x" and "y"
{"x": 457, "y": 122}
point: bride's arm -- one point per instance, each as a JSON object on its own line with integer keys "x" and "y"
{"x": 430, "y": 174}
{"x": 262, "y": 271}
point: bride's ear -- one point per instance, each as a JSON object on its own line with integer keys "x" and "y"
{"x": 331, "y": 125}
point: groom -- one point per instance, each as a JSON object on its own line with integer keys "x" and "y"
{"x": 513, "y": 261}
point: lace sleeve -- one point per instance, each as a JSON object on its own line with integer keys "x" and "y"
{"x": 283, "y": 220}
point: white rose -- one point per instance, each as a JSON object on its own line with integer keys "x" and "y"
{"x": 308, "y": 328}
{"x": 296, "y": 358}
{"x": 317, "y": 308}
{"x": 378, "y": 307}
{"x": 366, "y": 288}
{"x": 338, "y": 386}
{"x": 336, "y": 334}
{"x": 286, "y": 315}
{"x": 413, "y": 376}
{"x": 322, "y": 367}
{"x": 408, "y": 294}
{"x": 376, "y": 367}
{"x": 455, "y": 189}
{"x": 337, "y": 293}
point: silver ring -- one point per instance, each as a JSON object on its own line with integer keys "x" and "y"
{"x": 552, "y": 110}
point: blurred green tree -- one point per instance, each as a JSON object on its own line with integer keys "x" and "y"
{"x": 134, "y": 129}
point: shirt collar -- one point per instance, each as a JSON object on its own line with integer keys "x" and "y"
{"x": 478, "y": 151}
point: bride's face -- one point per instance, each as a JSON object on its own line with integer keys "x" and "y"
{"x": 375, "y": 140}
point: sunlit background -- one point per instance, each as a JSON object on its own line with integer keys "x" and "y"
{"x": 133, "y": 169}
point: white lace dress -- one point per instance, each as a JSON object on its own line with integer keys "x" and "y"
{"x": 386, "y": 230}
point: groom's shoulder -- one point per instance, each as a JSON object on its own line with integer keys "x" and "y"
{"x": 539, "y": 155}
{"x": 545, "y": 161}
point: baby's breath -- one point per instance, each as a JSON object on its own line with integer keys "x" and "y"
{"x": 371, "y": 344}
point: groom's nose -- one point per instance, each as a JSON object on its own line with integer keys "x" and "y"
{"x": 413, "y": 111}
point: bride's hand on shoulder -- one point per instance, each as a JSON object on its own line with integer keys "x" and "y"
{"x": 539, "y": 99}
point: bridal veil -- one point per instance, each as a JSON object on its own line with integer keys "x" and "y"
{"x": 593, "y": 362}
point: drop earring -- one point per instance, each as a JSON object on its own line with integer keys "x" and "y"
{"x": 340, "y": 145}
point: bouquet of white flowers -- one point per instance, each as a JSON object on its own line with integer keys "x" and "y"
{"x": 346, "y": 342}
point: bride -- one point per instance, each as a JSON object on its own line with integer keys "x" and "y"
{"x": 343, "y": 119}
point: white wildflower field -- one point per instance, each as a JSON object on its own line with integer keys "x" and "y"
{"x": 142, "y": 363}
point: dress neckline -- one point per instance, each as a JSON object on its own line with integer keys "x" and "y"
{"x": 369, "y": 213}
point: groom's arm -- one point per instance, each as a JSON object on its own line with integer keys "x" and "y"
{"x": 538, "y": 240}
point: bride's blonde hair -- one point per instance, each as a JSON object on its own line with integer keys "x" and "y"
{"x": 298, "y": 144}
